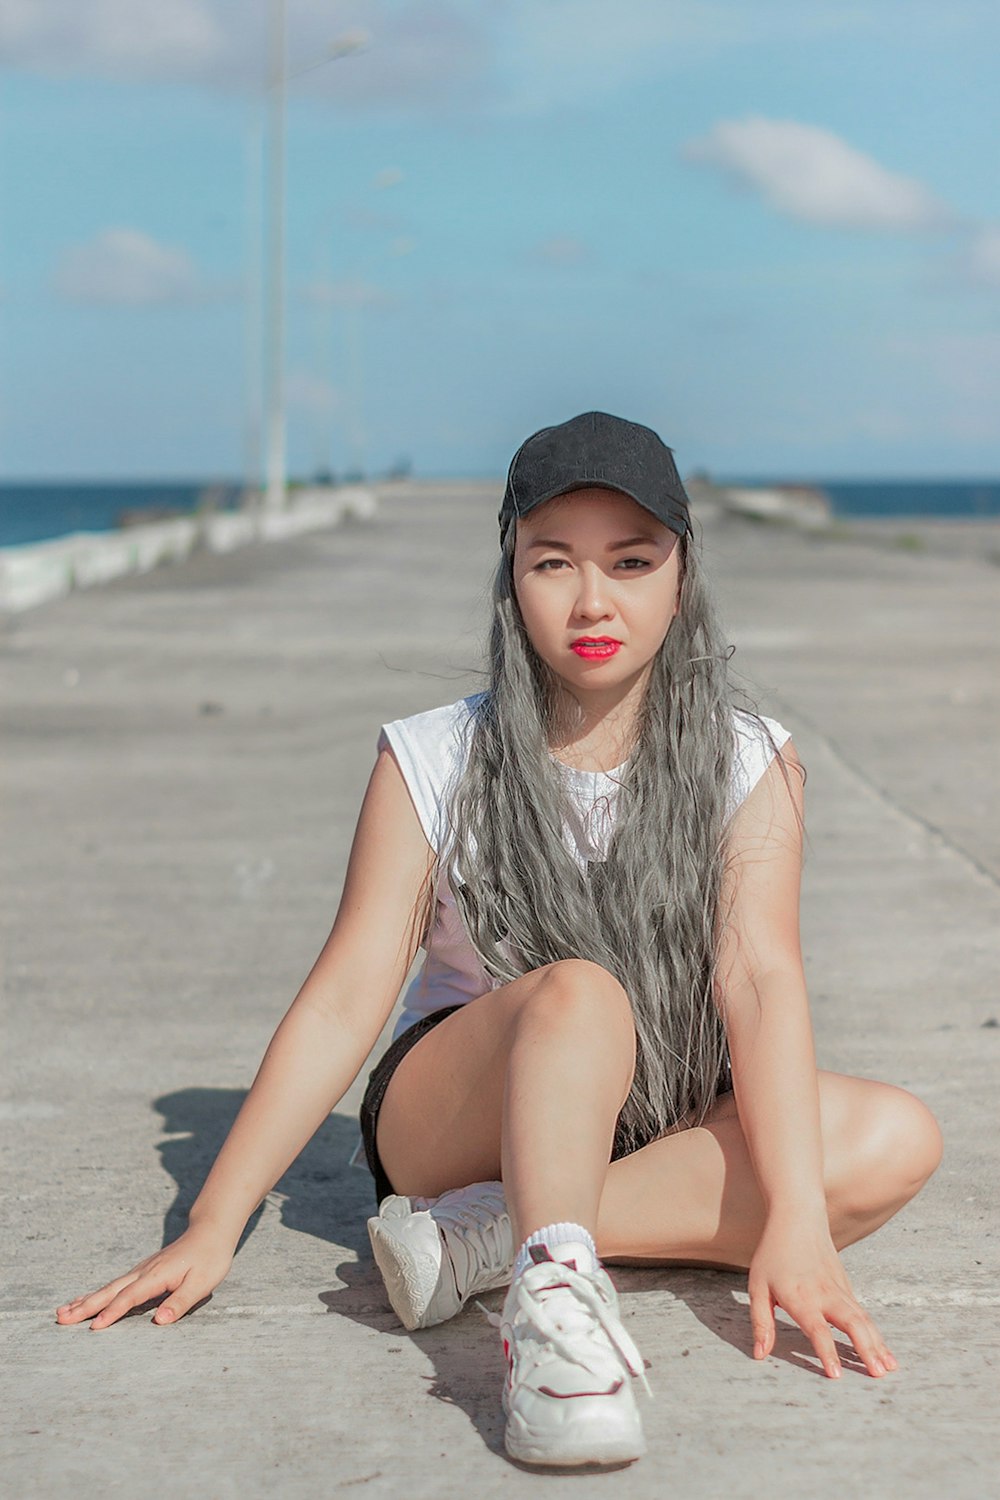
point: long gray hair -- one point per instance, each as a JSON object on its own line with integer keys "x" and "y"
{"x": 649, "y": 913}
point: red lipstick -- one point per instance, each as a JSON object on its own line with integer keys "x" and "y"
{"x": 595, "y": 647}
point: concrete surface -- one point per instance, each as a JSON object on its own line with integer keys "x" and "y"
{"x": 184, "y": 756}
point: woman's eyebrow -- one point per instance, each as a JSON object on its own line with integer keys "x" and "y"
{"x": 631, "y": 541}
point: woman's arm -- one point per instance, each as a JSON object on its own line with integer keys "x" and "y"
{"x": 761, "y": 991}
{"x": 312, "y": 1059}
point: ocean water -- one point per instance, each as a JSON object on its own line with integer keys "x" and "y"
{"x": 33, "y": 512}
{"x": 977, "y": 499}
{"x": 948, "y": 499}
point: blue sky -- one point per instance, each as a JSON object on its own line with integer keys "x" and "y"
{"x": 771, "y": 230}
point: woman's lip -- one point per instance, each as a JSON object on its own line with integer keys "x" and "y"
{"x": 595, "y": 646}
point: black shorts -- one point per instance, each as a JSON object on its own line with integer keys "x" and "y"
{"x": 381, "y": 1074}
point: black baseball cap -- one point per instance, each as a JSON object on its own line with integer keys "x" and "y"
{"x": 596, "y": 449}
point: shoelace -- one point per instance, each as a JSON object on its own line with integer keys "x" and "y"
{"x": 595, "y": 1304}
{"x": 478, "y": 1225}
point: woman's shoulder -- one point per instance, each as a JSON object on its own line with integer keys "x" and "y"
{"x": 433, "y": 725}
{"x": 755, "y": 731}
{"x": 429, "y": 749}
{"x": 757, "y": 740}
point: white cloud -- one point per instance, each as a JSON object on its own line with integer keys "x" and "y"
{"x": 126, "y": 266}
{"x": 134, "y": 38}
{"x": 810, "y": 173}
{"x": 423, "y": 54}
{"x": 494, "y": 57}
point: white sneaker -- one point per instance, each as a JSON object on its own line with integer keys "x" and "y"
{"x": 435, "y": 1252}
{"x": 568, "y": 1393}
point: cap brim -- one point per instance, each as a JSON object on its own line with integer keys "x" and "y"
{"x": 675, "y": 522}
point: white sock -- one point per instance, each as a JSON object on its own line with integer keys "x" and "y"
{"x": 557, "y": 1234}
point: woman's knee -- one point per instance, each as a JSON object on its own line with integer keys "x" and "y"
{"x": 898, "y": 1144}
{"x": 579, "y": 983}
{"x": 912, "y": 1138}
{"x": 579, "y": 993}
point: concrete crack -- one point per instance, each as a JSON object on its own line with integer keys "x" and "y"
{"x": 908, "y": 813}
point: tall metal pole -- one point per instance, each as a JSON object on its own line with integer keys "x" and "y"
{"x": 254, "y": 322}
{"x": 276, "y": 461}
{"x": 353, "y": 313}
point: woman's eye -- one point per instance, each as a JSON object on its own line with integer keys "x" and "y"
{"x": 628, "y": 564}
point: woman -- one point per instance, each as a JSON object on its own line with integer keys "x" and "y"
{"x": 602, "y": 857}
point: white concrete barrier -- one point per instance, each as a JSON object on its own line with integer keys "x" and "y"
{"x": 29, "y": 576}
{"x": 39, "y": 571}
{"x": 101, "y": 560}
{"x": 163, "y": 541}
{"x": 228, "y": 530}
{"x": 795, "y": 505}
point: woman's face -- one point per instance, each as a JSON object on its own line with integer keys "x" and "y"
{"x": 598, "y": 582}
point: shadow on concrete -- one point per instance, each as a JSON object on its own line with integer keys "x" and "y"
{"x": 713, "y": 1297}
{"x": 465, "y": 1353}
{"x": 323, "y": 1195}
{"x": 466, "y": 1356}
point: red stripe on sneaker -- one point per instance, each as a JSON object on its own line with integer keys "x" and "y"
{"x": 571, "y": 1395}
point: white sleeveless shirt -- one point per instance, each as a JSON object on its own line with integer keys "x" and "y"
{"x": 431, "y": 749}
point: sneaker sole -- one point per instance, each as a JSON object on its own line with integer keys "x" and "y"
{"x": 593, "y": 1437}
{"x": 411, "y": 1279}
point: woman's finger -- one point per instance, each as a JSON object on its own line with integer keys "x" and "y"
{"x": 761, "y": 1321}
{"x": 134, "y": 1295}
{"x": 108, "y": 1290}
{"x": 865, "y": 1337}
{"x": 180, "y": 1301}
{"x": 85, "y": 1307}
{"x": 849, "y": 1316}
{"x": 817, "y": 1330}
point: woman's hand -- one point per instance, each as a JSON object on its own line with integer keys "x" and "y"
{"x": 797, "y": 1267}
{"x": 189, "y": 1268}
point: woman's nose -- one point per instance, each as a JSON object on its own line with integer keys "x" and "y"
{"x": 592, "y": 599}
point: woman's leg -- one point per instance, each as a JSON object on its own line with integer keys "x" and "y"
{"x": 692, "y": 1197}
{"x": 524, "y": 1083}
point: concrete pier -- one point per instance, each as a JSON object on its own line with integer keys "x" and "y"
{"x": 184, "y": 757}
